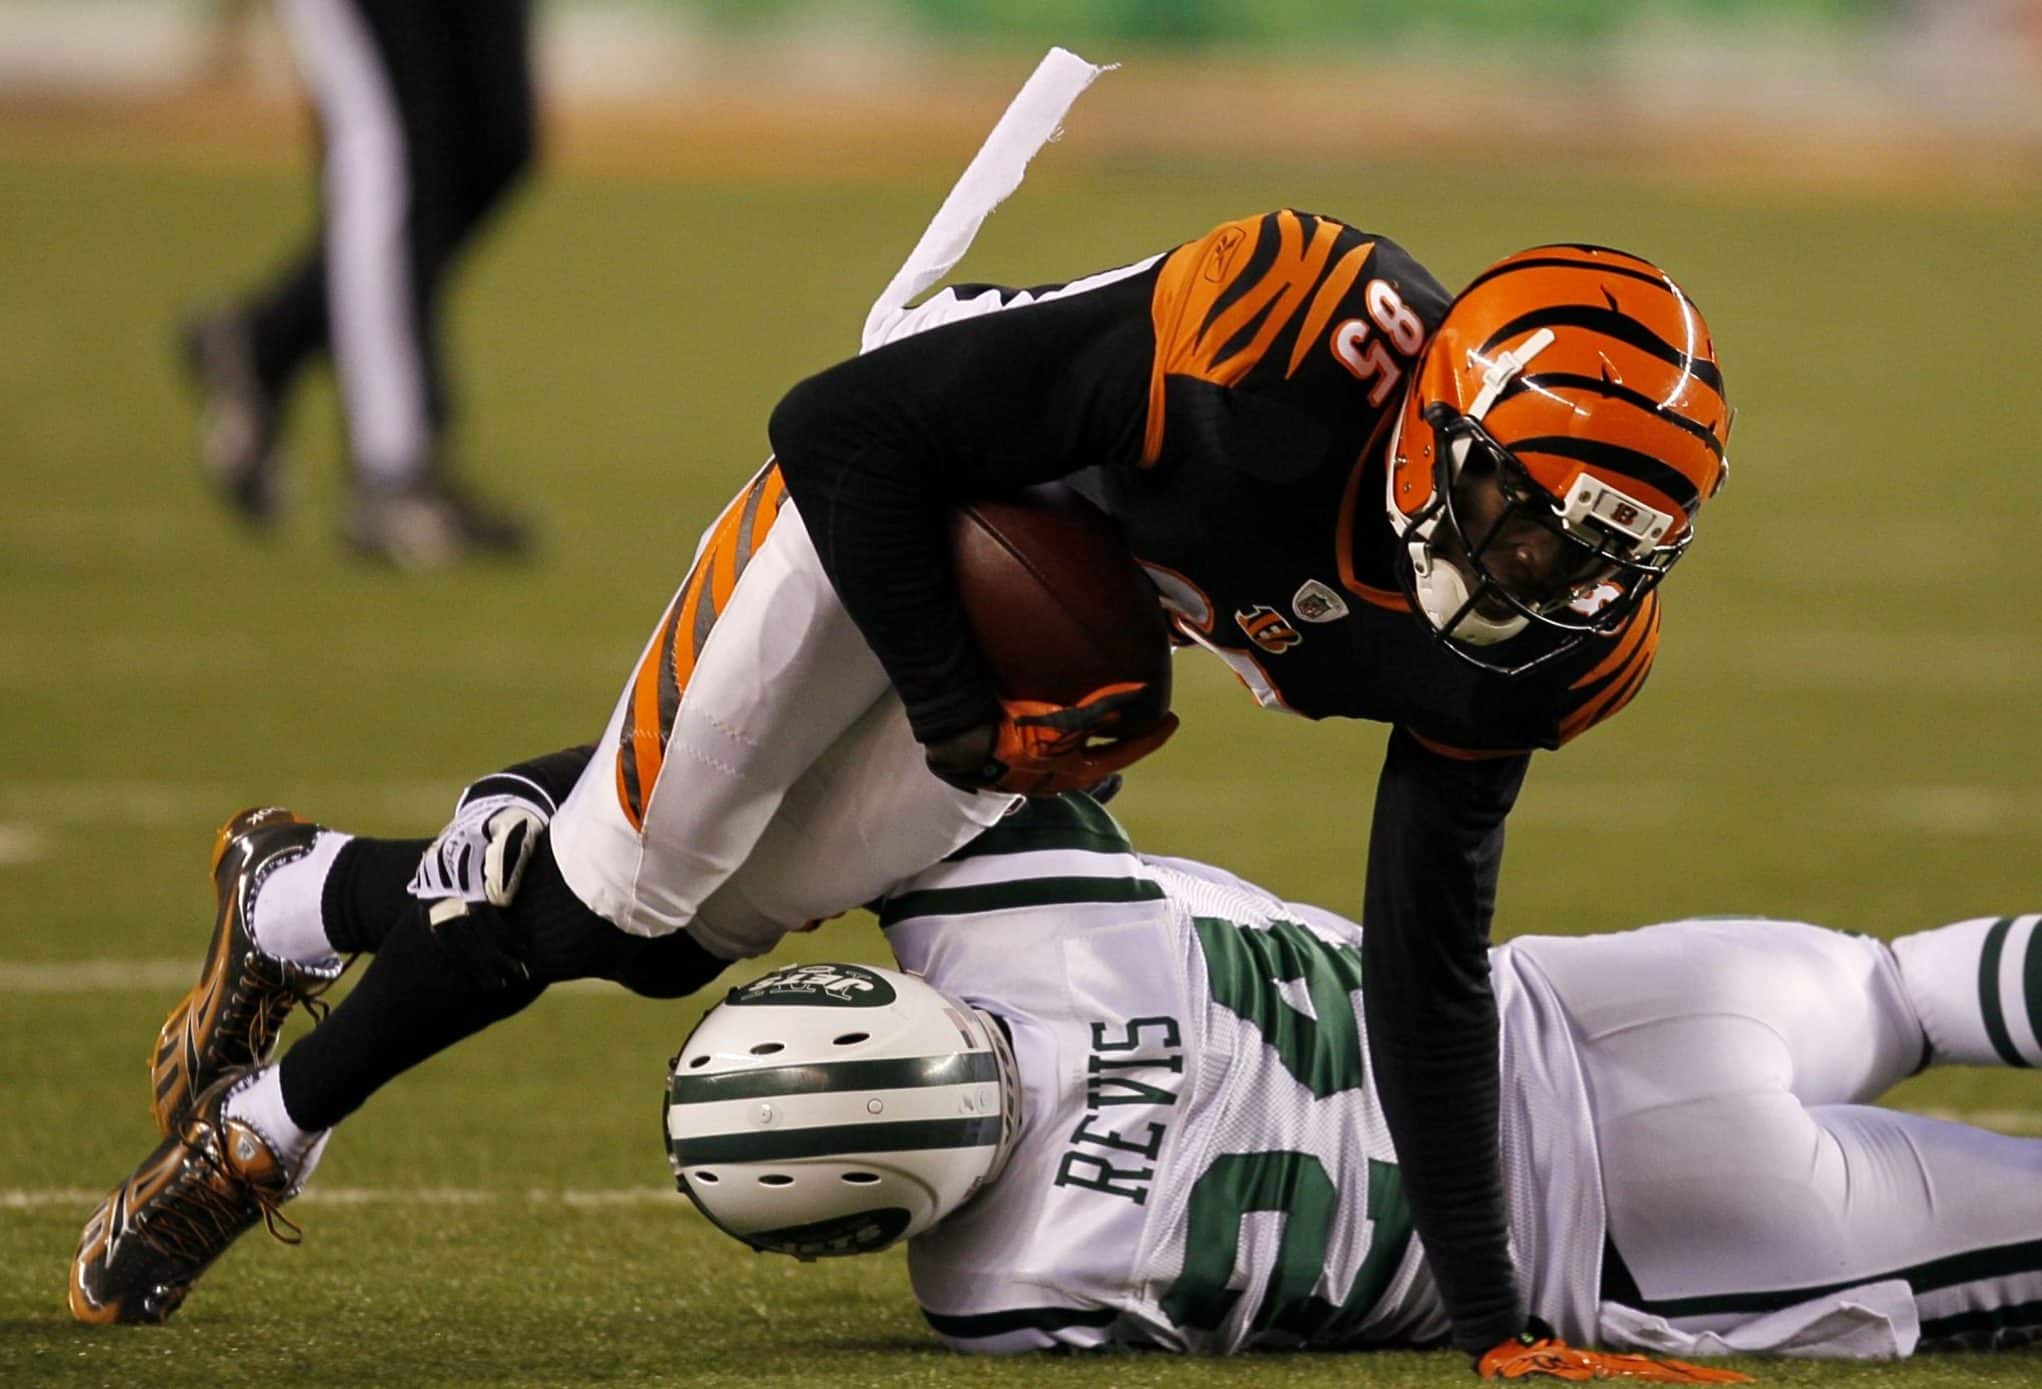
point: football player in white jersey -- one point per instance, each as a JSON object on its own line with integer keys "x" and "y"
{"x": 1119, "y": 1099}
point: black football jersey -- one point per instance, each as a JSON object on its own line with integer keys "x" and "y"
{"x": 1228, "y": 403}
{"x": 1281, "y": 346}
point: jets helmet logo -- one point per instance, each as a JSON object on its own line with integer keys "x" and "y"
{"x": 1268, "y": 628}
{"x": 826, "y": 986}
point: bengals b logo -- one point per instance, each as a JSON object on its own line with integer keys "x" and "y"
{"x": 1268, "y": 628}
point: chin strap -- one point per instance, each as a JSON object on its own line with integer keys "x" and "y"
{"x": 1444, "y": 596}
{"x": 1441, "y": 588}
{"x": 1506, "y": 369}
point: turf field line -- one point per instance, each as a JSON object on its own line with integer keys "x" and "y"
{"x": 22, "y": 844}
{"x": 157, "y": 976}
{"x": 31, "y": 810}
{"x": 573, "y": 1198}
{"x": 30, "y": 806}
{"x": 96, "y": 976}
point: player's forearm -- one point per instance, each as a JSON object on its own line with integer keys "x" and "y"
{"x": 877, "y": 515}
{"x": 1438, "y": 1085}
{"x": 1432, "y": 1023}
{"x": 877, "y": 451}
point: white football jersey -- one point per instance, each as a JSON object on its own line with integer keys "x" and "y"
{"x": 1203, "y": 1164}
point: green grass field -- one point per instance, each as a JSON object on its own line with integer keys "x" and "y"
{"x": 1842, "y": 725}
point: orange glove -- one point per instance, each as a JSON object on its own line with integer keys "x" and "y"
{"x": 1047, "y": 749}
{"x": 1525, "y": 1356}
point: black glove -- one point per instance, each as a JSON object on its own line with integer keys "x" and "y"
{"x": 469, "y": 875}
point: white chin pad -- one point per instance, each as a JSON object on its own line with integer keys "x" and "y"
{"x": 1443, "y": 591}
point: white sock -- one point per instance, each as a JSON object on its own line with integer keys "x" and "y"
{"x": 258, "y": 1102}
{"x": 286, "y": 921}
{"x": 1978, "y": 988}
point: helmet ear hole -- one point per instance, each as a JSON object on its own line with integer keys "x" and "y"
{"x": 851, "y": 1039}
{"x": 861, "y": 1178}
{"x": 710, "y": 1177}
{"x": 699, "y": 1062}
{"x": 768, "y": 1048}
{"x": 776, "y": 1179}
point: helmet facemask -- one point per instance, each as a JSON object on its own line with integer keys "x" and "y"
{"x": 1495, "y": 556}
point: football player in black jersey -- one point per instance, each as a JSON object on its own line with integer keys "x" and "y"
{"x": 1370, "y": 498}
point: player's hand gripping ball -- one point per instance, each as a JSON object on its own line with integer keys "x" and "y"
{"x": 1076, "y": 641}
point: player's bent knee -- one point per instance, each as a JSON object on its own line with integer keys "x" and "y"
{"x": 565, "y": 939}
{"x": 670, "y": 966}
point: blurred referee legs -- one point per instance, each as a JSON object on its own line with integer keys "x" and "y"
{"x": 426, "y": 117}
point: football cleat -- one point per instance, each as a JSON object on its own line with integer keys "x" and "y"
{"x": 233, "y": 1014}
{"x": 238, "y": 415}
{"x": 156, "y": 1232}
{"x": 431, "y": 524}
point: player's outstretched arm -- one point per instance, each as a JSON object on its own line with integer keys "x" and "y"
{"x": 1434, "y": 851}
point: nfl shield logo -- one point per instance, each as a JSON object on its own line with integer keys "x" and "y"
{"x": 1317, "y": 603}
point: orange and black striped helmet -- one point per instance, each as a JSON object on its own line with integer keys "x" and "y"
{"x": 1584, "y": 382}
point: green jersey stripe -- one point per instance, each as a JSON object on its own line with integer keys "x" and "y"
{"x": 1972, "y": 1266}
{"x": 1073, "y": 821}
{"x": 1019, "y": 1319}
{"x": 1983, "y": 1328}
{"x": 1029, "y": 839}
{"x": 1988, "y": 993}
{"x": 835, "y": 1140}
{"x": 903, "y": 1073}
{"x": 1031, "y": 892}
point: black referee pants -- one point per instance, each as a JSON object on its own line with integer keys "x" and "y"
{"x": 426, "y": 121}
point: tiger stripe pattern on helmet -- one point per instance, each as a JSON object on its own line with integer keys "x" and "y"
{"x": 1631, "y": 352}
{"x": 1223, "y": 302}
{"x": 663, "y": 675}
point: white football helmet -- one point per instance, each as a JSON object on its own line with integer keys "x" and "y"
{"x": 834, "y": 1109}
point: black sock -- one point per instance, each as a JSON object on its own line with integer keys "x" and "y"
{"x": 563, "y": 939}
{"x": 365, "y": 891}
{"x": 414, "y": 1001}
{"x": 411, "y": 1002}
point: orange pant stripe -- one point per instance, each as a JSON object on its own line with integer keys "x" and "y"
{"x": 663, "y": 675}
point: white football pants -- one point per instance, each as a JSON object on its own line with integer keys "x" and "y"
{"x": 1755, "y": 1200}
{"x": 789, "y": 787}
{"x": 758, "y": 773}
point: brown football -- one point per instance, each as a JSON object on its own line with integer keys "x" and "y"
{"x": 1057, "y": 602}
